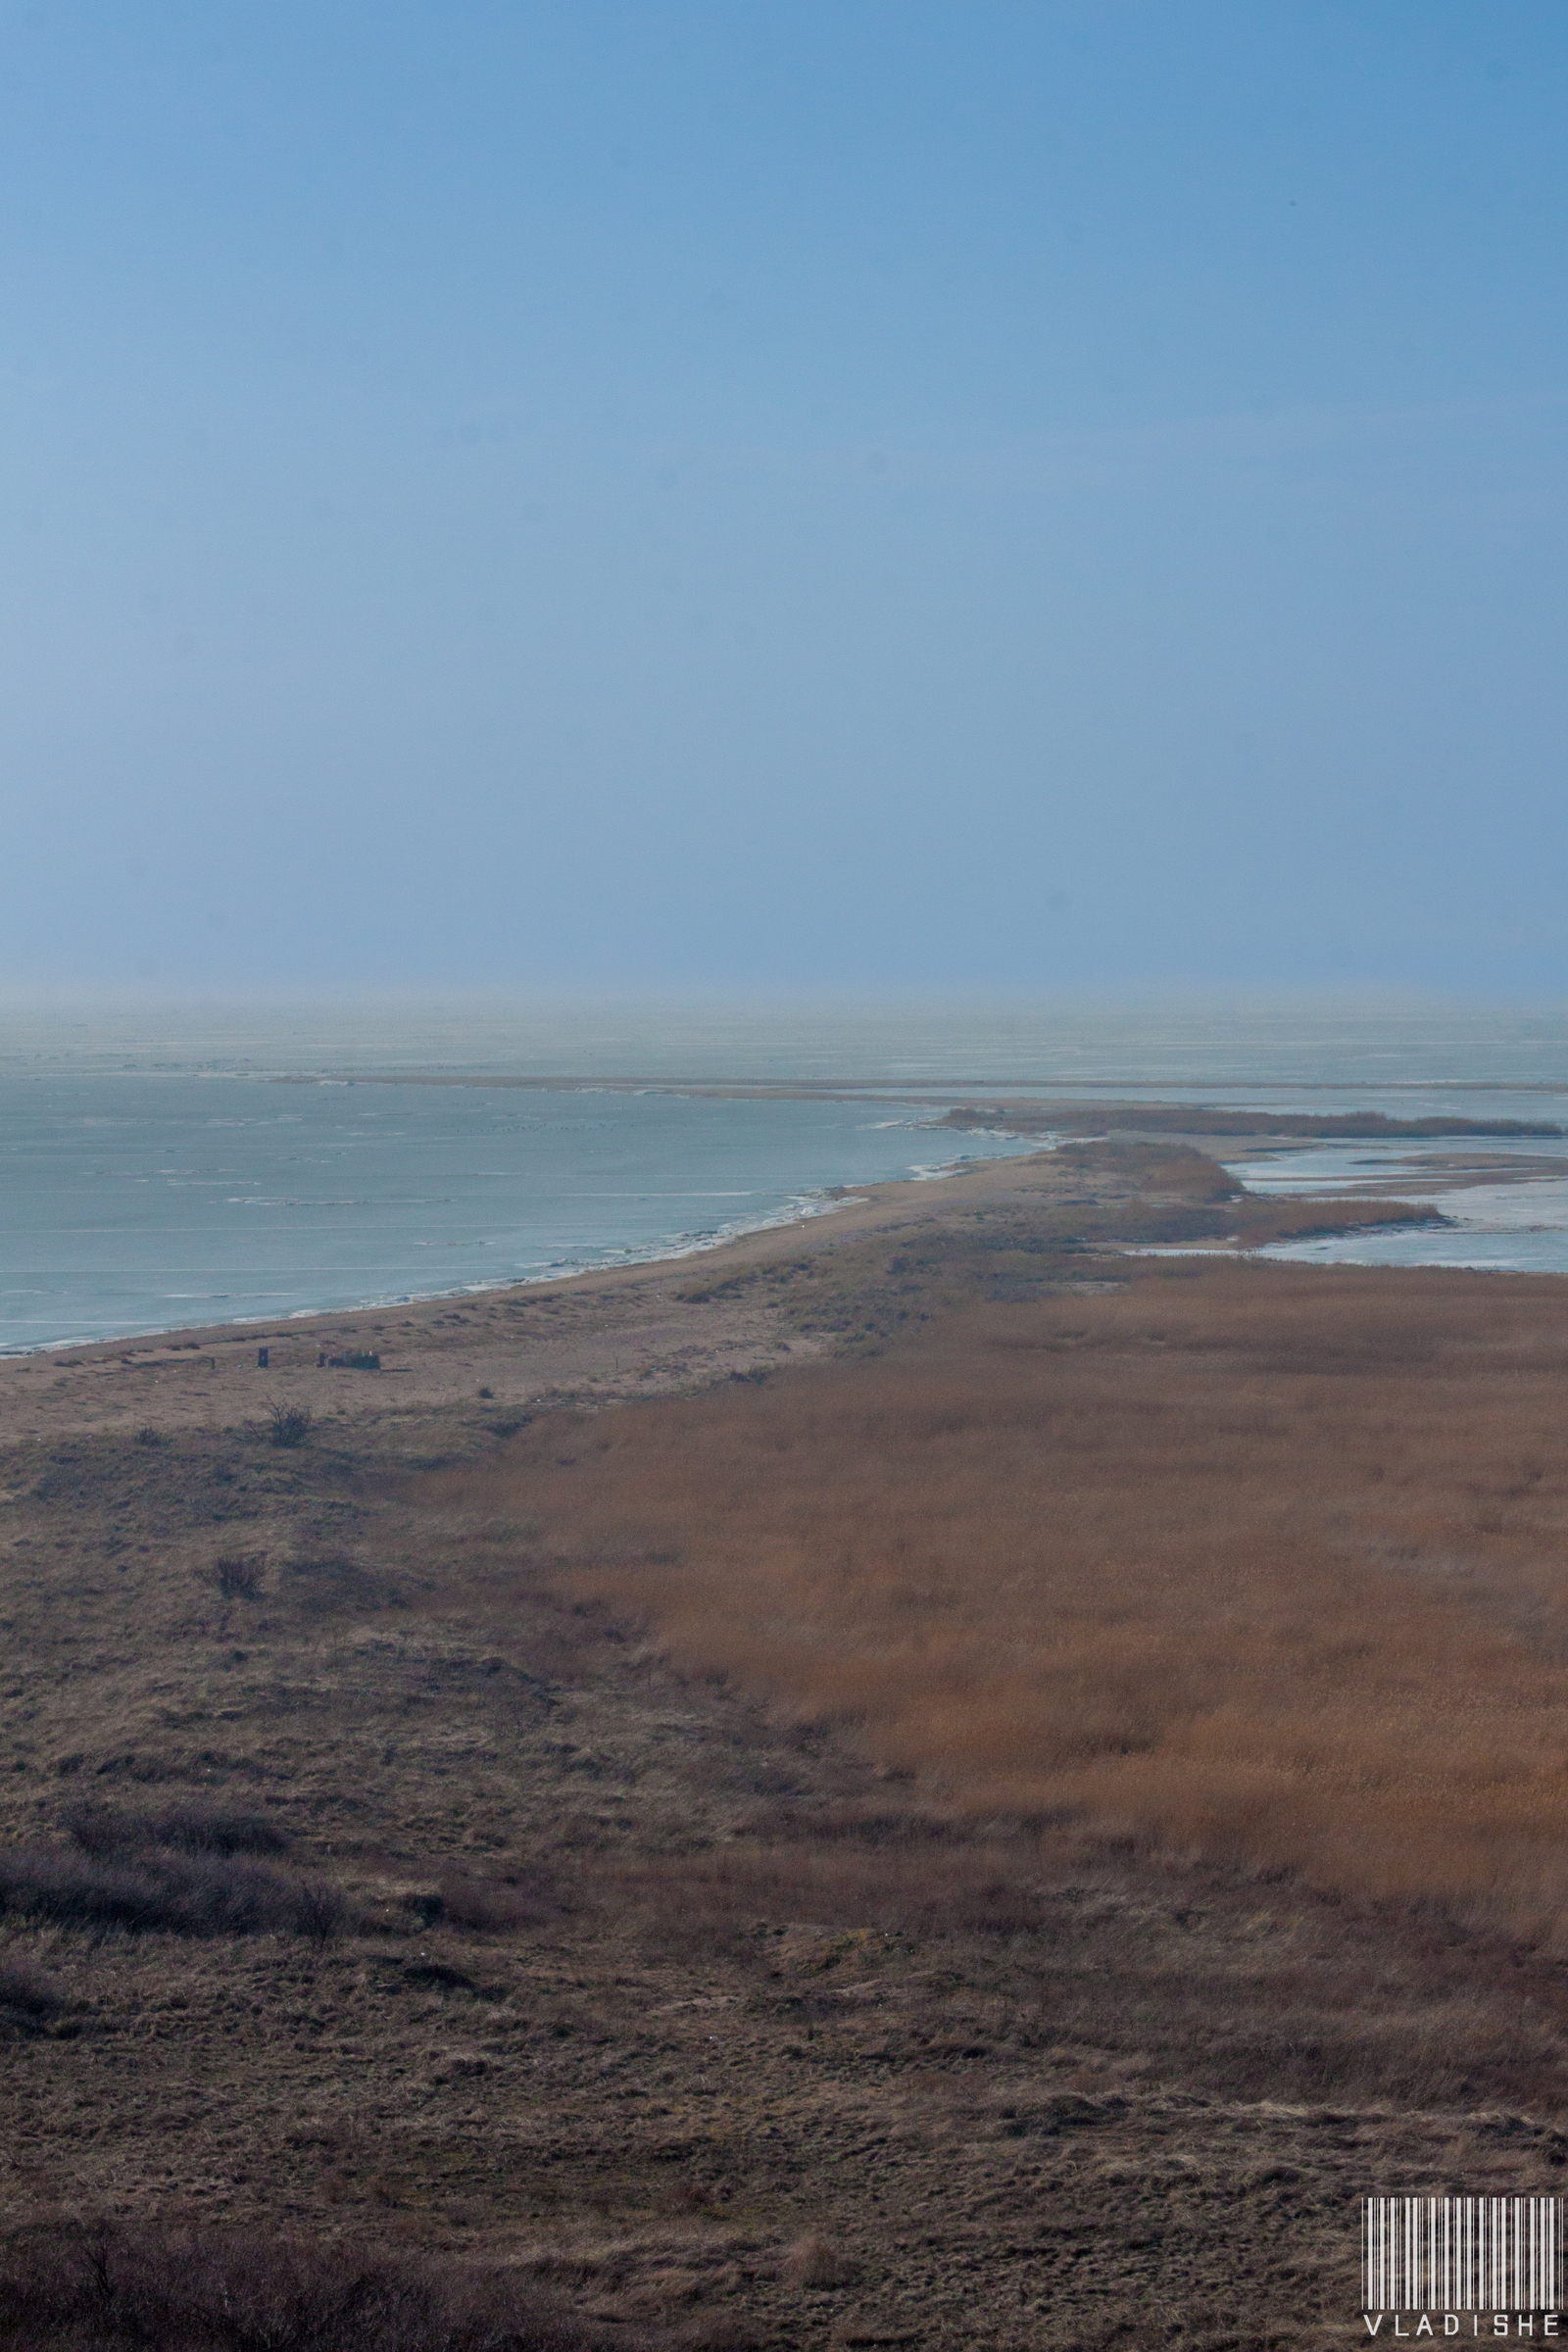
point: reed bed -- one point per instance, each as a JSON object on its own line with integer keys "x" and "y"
{"x": 1262, "y": 1563}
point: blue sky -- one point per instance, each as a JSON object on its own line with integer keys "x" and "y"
{"x": 865, "y": 495}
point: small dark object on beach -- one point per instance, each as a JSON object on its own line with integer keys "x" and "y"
{"x": 487, "y": 1392}
{"x": 355, "y": 1359}
{"x": 291, "y": 1424}
{"x": 149, "y": 1437}
{"x": 261, "y": 1359}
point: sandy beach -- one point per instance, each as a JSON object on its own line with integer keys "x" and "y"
{"x": 626, "y": 1332}
{"x": 619, "y": 1332}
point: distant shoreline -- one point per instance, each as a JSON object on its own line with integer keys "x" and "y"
{"x": 901, "y": 1090}
{"x": 450, "y": 1350}
{"x": 1029, "y": 1121}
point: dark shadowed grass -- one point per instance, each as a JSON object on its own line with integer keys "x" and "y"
{"x": 489, "y": 1905}
{"x": 125, "y": 2288}
{"x": 741, "y": 1891}
{"x": 102, "y": 1830}
{"x": 27, "y": 1997}
{"x": 178, "y": 1895}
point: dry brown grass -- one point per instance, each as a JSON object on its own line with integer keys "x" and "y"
{"x": 1264, "y": 1563}
{"x": 673, "y": 2005}
{"x": 161, "y": 1892}
{"x": 1258, "y": 1220}
{"x": 99, "y": 2288}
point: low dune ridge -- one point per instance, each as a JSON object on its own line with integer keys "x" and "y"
{"x": 1034, "y": 1116}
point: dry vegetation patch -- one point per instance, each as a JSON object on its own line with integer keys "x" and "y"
{"x": 1263, "y": 1562}
{"x": 113, "y": 2288}
{"x": 896, "y": 1946}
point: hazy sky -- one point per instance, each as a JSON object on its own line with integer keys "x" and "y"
{"x": 805, "y": 491}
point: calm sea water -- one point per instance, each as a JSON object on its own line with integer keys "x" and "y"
{"x": 137, "y": 1203}
{"x": 156, "y": 1169}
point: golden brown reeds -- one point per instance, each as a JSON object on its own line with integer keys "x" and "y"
{"x": 1263, "y": 1562}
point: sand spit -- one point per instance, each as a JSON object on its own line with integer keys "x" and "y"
{"x": 604, "y": 1333}
{"x": 1193, "y": 1122}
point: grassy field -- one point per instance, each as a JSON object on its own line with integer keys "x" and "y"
{"x": 989, "y": 1823}
{"x": 1259, "y": 1564}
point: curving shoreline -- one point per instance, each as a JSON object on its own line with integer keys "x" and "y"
{"x": 610, "y": 1333}
{"x": 199, "y": 1371}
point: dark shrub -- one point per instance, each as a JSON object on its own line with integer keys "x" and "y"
{"x": 319, "y": 1911}
{"x": 291, "y": 1424}
{"x": 27, "y": 1997}
{"x": 238, "y": 1579}
{"x": 219, "y": 1830}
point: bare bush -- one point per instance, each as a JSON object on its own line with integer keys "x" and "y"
{"x": 238, "y": 1579}
{"x": 320, "y": 1911}
{"x": 119, "y": 2287}
{"x": 291, "y": 1425}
